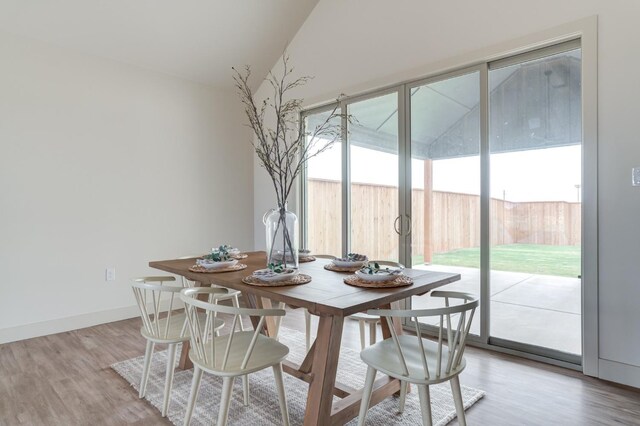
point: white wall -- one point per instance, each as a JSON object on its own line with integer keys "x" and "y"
{"x": 104, "y": 164}
{"x": 351, "y": 46}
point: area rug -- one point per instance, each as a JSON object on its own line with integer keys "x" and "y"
{"x": 264, "y": 408}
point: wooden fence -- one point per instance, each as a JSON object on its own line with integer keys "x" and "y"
{"x": 455, "y": 220}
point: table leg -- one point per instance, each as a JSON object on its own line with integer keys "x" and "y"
{"x": 272, "y": 323}
{"x": 324, "y": 369}
{"x": 306, "y": 365}
{"x": 397, "y": 322}
{"x": 185, "y": 363}
{"x": 254, "y": 302}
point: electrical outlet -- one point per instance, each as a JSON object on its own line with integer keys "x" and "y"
{"x": 635, "y": 176}
{"x": 110, "y": 274}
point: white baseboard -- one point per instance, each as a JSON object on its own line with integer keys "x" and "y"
{"x": 43, "y": 328}
{"x": 618, "y": 372}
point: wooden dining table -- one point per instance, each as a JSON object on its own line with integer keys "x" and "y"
{"x": 329, "y": 298}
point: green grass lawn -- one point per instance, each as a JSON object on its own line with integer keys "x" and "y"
{"x": 530, "y": 258}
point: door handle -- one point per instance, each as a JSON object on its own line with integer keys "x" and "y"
{"x": 408, "y": 224}
{"x": 395, "y": 225}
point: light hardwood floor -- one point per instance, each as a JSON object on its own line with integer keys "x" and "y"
{"x": 65, "y": 379}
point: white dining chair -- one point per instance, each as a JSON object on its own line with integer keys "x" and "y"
{"x": 363, "y": 318}
{"x": 229, "y": 294}
{"x": 423, "y": 362}
{"x": 232, "y": 294}
{"x": 238, "y": 353}
{"x": 161, "y": 324}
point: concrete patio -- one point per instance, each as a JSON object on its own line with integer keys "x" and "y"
{"x": 540, "y": 310}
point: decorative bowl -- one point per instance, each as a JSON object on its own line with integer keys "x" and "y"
{"x": 379, "y": 276}
{"x": 345, "y": 263}
{"x": 269, "y": 276}
{"x": 352, "y": 260}
{"x": 210, "y": 264}
{"x": 304, "y": 252}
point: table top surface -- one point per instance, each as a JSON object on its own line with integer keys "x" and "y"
{"x": 325, "y": 294}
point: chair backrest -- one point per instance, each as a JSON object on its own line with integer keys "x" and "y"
{"x": 387, "y": 263}
{"x": 153, "y": 299}
{"x": 200, "y": 326}
{"x": 456, "y": 343}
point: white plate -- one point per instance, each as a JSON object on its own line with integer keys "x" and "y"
{"x": 378, "y": 276}
{"x": 269, "y": 276}
{"x": 341, "y": 263}
{"x": 210, "y": 264}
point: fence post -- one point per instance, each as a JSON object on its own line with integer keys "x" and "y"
{"x": 428, "y": 209}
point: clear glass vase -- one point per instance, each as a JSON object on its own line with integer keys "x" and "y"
{"x": 281, "y": 228}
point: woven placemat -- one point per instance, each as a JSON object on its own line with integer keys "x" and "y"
{"x": 334, "y": 268}
{"x": 401, "y": 281}
{"x": 305, "y": 259}
{"x": 203, "y": 270}
{"x": 240, "y": 256}
{"x": 297, "y": 279}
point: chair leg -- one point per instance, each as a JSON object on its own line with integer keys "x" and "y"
{"x": 362, "y": 342}
{"x": 193, "y": 396}
{"x": 282, "y": 398}
{"x": 236, "y": 304}
{"x": 148, "y": 355}
{"x": 171, "y": 364}
{"x": 225, "y": 401}
{"x": 425, "y": 404}
{"x": 307, "y": 328}
{"x": 245, "y": 390}
{"x": 403, "y": 395}
{"x": 366, "y": 395}
{"x": 457, "y": 399}
{"x": 372, "y": 333}
{"x": 278, "y": 321}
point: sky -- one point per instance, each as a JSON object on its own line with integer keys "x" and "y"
{"x": 549, "y": 174}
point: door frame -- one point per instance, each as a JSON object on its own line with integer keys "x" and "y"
{"x": 586, "y": 30}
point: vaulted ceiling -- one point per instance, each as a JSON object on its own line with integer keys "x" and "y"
{"x": 199, "y": 40}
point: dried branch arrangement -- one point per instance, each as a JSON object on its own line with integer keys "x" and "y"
{"x": 284, "y": 147}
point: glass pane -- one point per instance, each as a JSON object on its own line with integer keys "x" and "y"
{"x": 535, "y": 147}
{"x": 373, "y": 150}
{"x": 324, "y": 194}
{"x": 445, "y": 167}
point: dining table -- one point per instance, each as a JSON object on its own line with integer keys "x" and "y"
{"x": 329, "y": 298}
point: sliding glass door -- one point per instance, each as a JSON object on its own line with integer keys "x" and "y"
{"x": 445, "y": 181}
{"x": 373, "y": 177}
{"x": 352, "y": 197}
{"x": 476, "y": 172}
{"x": 535, "y": 144}
{"x": 323, "y": 200}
